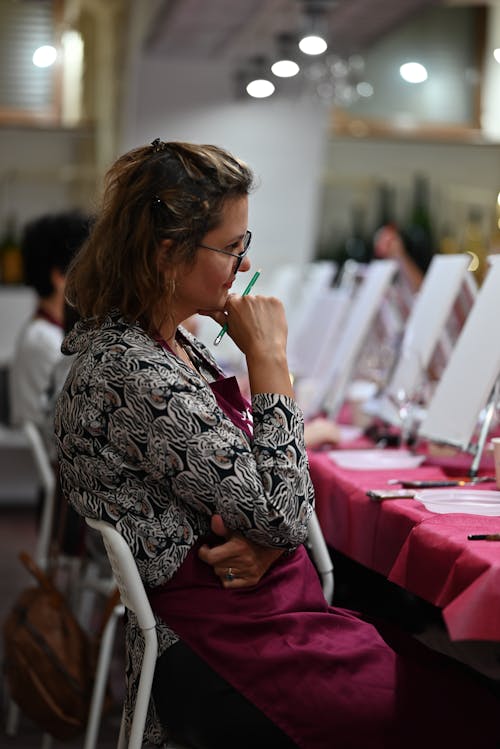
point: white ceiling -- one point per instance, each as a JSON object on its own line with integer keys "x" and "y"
{"x": 223, "y": 29}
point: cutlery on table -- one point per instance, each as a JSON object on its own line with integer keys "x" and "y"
{"x": 431, "y": 483}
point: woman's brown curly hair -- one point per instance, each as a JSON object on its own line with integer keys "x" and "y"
{"x": 161, "y": 191}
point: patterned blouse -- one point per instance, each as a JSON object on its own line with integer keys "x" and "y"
{"x": 143, "y": 444}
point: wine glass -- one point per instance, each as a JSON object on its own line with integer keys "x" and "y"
{"x": 410, "y": 397}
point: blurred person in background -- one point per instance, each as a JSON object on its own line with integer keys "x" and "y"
{"x": 389, "y": 243}
{"x": 48, "y": 245}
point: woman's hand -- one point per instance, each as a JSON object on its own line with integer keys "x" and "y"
{"x": 247, "y": 561}
{"x": 321, "y": 431}
{"x": 257, "y": 324}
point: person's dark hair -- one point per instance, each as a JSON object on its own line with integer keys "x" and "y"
{"x": 49, "y": 242}
{"x": 160, "y": 191}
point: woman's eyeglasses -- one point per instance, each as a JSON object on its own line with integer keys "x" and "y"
{"x": 247, "y": 238}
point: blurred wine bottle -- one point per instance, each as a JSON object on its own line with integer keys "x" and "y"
{"x": 11, "y": 259}
{"x": 384, "y": 208}
{"x": 418, "y": 234}
{"x": 475, "y": 244}
{"x": 357, "y": 246}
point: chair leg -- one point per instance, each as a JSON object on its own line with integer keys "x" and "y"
{"x": 122, "y": 739}
{"x": 144, "y": 690}
{"x": 12, "y": 719}
{"x": 101, "y": 678}
{"x": 46, "y": 741}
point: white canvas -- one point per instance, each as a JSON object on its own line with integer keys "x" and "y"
{"x": 330, "y": 390}
{"x": 472, "y": 370}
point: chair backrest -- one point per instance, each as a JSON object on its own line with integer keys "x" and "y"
{"x": 48, "y": 480}
{"x": 125, "y": 572}
{"x": 134, "y": 598}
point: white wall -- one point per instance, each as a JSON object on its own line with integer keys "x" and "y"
{"x": 39, "y": 171}
{"x": 283, "y": 142}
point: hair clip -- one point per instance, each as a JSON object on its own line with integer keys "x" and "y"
{"x": 158, "y": 145}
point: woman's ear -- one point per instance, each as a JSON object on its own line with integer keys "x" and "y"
{"x": 58, "y": 280}
{"x": 164, "y": 254}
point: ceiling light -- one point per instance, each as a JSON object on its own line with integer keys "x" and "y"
{"x": 285, "y": 65}
{"x": 496, "y": 54}
{"x": 413, "y": 72}
{"x": 44, "y": 56}
{"x": 258, "y": 84}
{"x": 285, "y": 68}
{"x": 313, "y": 45}
{"x": 313, "y": 41}
{"x": 260, "y": 88}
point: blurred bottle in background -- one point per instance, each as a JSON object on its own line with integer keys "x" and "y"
{"x": 384, "y": 209}
{"x": 11, "y": 259}
{"x": 418, "y": 233}
{"x": 357, "y": 245}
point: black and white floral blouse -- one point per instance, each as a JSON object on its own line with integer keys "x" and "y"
{"x": 143, "y": 444}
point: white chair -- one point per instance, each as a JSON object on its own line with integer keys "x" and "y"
{"x": 48, "y": 481}
{"x": 321, "y": 557}
{"x": 134, "y": 598}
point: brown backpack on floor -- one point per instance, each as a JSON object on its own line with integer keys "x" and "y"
{"x": 49, "y": 660}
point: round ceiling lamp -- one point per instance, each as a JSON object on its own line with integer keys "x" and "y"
{"x": 260, "y": 88}
{"x": 312, "y": 44}
{"x": 413, "y": 72}
{"x": 45, "y": 56}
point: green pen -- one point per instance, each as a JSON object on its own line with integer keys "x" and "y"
{"x": 248, "y": 289}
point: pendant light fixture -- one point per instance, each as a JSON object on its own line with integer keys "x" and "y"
{"x": 314, "y": 40}
{"x": 259, "y": 85}
{"x": 286, "y": 65}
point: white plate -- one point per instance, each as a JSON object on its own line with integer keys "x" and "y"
{"x": 460, "y": 500}
{"x": 373, "y": 460}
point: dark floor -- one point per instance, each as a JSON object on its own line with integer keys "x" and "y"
{"x": 17, "y": 533}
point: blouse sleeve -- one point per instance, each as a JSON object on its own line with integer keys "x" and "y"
{"x": 262, "y": 489}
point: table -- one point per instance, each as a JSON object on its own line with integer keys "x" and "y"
{"x": 427, "y": 554}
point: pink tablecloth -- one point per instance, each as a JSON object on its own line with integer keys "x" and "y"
{"x": 426, "y": 553}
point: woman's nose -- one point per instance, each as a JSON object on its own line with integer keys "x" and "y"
{"x": 245, "y": 265}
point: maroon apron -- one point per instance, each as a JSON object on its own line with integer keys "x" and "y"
{"x": 324, "y": 676}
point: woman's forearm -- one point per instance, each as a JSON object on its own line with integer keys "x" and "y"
{"x": 269, "y": 374}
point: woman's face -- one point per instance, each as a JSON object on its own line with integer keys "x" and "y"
{"x": 205, "y": 285}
